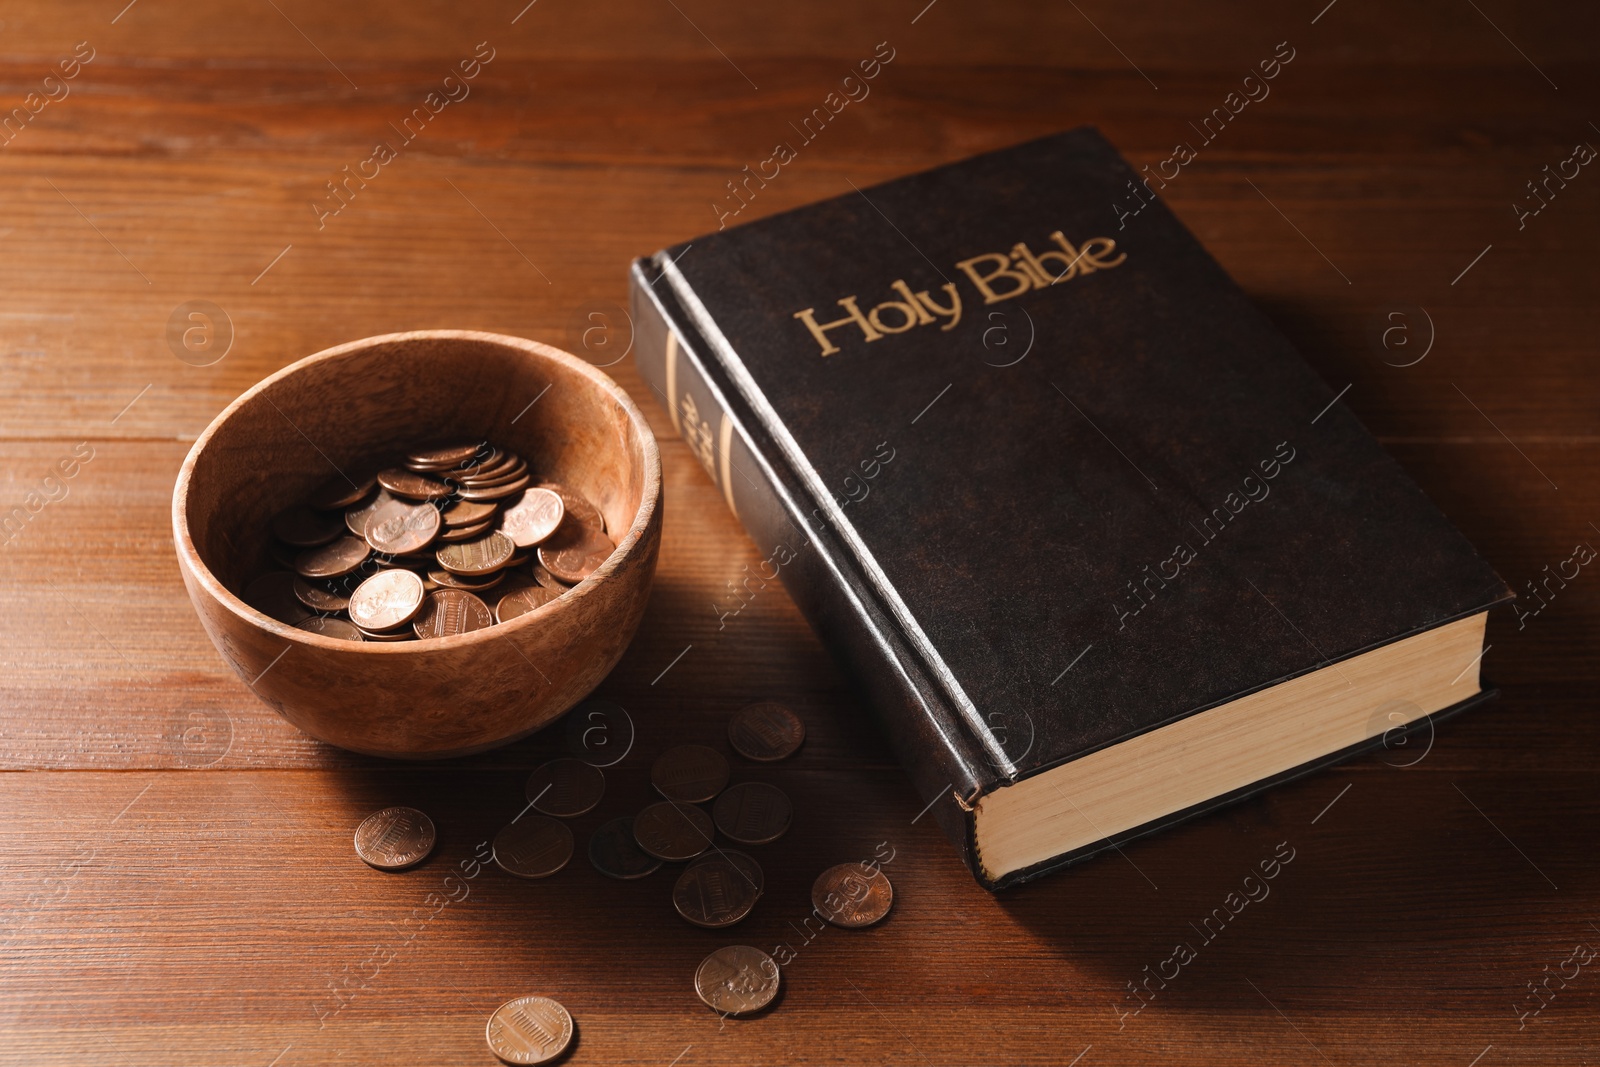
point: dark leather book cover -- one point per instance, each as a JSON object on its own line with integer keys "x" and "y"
{"x": 1117, "y": 496}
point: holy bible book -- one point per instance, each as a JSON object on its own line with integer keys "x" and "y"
{"x": 1101, "y": 550}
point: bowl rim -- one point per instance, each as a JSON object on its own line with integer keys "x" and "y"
{"x": 649, "y": 501}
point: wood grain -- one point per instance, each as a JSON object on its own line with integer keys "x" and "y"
{"x": 202, "y": 903}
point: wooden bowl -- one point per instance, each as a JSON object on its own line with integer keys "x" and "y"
{"x": 361, "y": 401}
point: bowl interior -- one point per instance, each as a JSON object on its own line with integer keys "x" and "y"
{"x": 354, "y": 409}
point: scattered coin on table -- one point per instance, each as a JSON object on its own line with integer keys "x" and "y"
{"x": 565, "y": 788}
{"x": 533, "y": 846}
{"x": 737, "y": 980}
{"x": 766, "y": 732}
{"x": 749, "y": 869}
{"x": 714, "y": 892}
{"x": 614, "y": 852}
{"x": 529, "y": 1030}
{"x": 852, "y": 895}
{"x": 673, "y": 832}
{"x": 753, "y": 813}
{"x": 395, "y": 838}
{"x": 690, "y": 773}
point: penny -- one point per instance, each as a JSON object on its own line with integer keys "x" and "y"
{"x": 404, "y": 633}
{"x": 521, "y": 601}
{"x": 575, "y": 551}
{"x": 467, "y": 513}
{"x": 753, "y": 813}
{"x": 614, "y": 853}
{"x": 487, "y": 467}
{"x": 713, "y": 892}
{"x": 496, "y": 492}
{"x": 466, "y": 533}
{"x": 599, "y": 732}
{"x": 766, "y": 732}
{"x": 355, "y": 519}
{"x": 852, "y": 895}
{"x": 737, "y": 980}
{"x": 328, "y": 626}
{"x": 689, "y": 773}
{"x": 548, "y": 580}
{"x": 577, "y": 505}
{"x": 339, "y": 556}
{"x": 450, "y": 612}
{"x": 445, "y": 455}
{"x": 387, "y": 600}
{"x": 413, "y": 486}
{"x": 673, "y": 832}
{"x": 532, "y": 517}
{"x": 533, "y": 847}
{"x": 399, "y": 527}
{"x": 474, "y": 559}
{"x": 471, "y": 585}
{"x": 529, "y": 1030}
{"x": 749, "y": 869}
{"x": 565, "y": 788}
{"x": 340, "y": 492}
{"x": 318, "y": 596}
{"x": 304, "y": 528}
{"x": 487, "y": 458}
{"x": 501, "y": 474}
{"x": 272, "y": 594}
{"x": 395, "y": 838}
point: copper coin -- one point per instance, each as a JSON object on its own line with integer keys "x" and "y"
{"x": 399, "y": 527}
{"x": 452, "y": 534}
{"x": 488, "y": 458}
{"x": 753, "y": 813}
{"x": 532, "y": 517}
{"x": 491, "y": 465}
{"x": 340, "y": 492}
{"x": 395, "y": 838}
{"x": 533, "y": 847}
{"x": 575, "y": 551}
{"x": 529, "y": 1030}
{"x": 272, "y": 594}
{"x": 449, "y": 612}
{"x": 355, "y": 519}
{"x": 766, "y": 732}
{"x": 474, "y": 559}
{"x": 852, "y": 895}
{"x": 328, "y": 626}
{"x": 521, "y": 601}
{"x": 577, "y": 505}
{"x": 599, "y": 732}
{"x": 501, "y": 474}
{"x": 338, "y": 557}
{"x": 404, "y": 633}
{"x": 749, "y": 869}
{"x": 496, "y": 492}
{"x": 387, "y": 600}
{"x": 447, "y": 454}
{"x": 468, "y": 513}
{"x": 713, "y": 892}
{"x": 548, "y": 580}
{"x": 471, "y": 585}
{"x": 410, "y": 485}
{"x": 737, "y": 980}
{"x": 304, "y": 528}
{"x": 615, "y": 854}
{"x": 673, "y": 832}
{"x": 565, "y": 788}
{"x": 318, "y": 596}
{"x": 689, "y": 773}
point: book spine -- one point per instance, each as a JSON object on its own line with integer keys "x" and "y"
{"x": 946, "y": 767}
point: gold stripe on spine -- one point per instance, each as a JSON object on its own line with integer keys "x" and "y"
{"x": 725, "y": 448}
{"x": 672, "y": 380}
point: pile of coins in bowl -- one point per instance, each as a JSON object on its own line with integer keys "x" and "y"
{"x": 453, "y": 539}
{"x": 716, "y": 888}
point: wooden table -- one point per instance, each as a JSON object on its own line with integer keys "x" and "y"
{"x": 177, "y": 882}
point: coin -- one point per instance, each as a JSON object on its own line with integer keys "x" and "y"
{"x": 339, "y": 556}
{"x": 466, "y": 533}
{"x": 766, "y": 732}
{"x": 673, "y": 832}
{"x": 355, "y": 519}
{"x": 599, "y": 732}
{"x": 499, "y": 475}
{"x": 328, "y": 626}
{"x": 565, "y": 788}
{"x": 404, "y": 633}
{"x": 387, "y": 600}
{"x": 445, "y": 455}
{"x": 548, "y": 580}
{"x": 577, "y": 505}
{"x": 318, "y": 597}
{"x": 521, "y": 601}
{"x": 615, "y": 854}
{"x": 471, "y": 585}
{"x": 529, "y": 1030}
{"x": 340, "y": 492}
{"x": 533, "y": 847}
{"x": 713, "y": 892}
{"x": 474, "y": 559}
{"x": 749, "y": 869}
{"x": 532, "y": 517}
{"x": 468, "y": 513}
{"x": 304, "y": 528}
{"x": 395, "y": 838}
{"x": 575, "y": 551}
{"x": 449, "y": 612}
{"x": 496, "y": 492}
{"x": 272, "y": 594}
{"x": 490, "y": 467}
{"x": 737, "y": 980}
{"x": 399, "y": 527}
{"x": 852, "y": 895}
{"x": 690, "y": 773}
{"x": 413, "y": 486}
{"x": 753, "y": 813}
